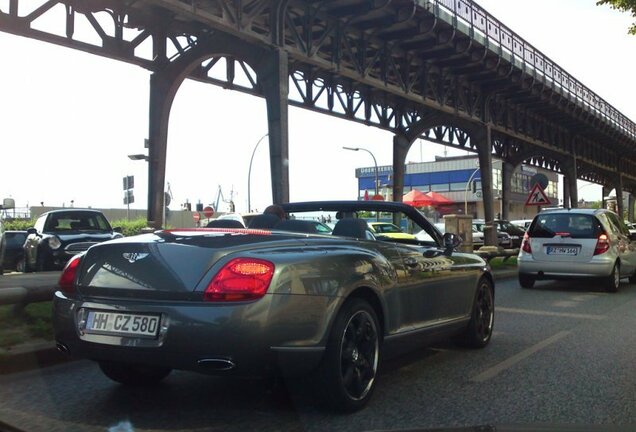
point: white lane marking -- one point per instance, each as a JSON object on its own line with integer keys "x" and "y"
{"x": 549, "y": 313}
{"x": 508, "y": 363}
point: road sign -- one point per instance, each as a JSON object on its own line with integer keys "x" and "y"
{"x": 208, "y": 212}
{"x": 196, "y": 216}
{"x": 537, "y": 197}
{"x": 542, "y": 179}
{"x": 167, "y": 198}
{"x": 129, "y": 197}
{"x": 129, "y": 182}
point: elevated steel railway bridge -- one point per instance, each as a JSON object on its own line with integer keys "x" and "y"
{"x": 442, "y": 70}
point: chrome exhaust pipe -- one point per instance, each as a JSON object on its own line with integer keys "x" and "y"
{"x": 217, "y": 364}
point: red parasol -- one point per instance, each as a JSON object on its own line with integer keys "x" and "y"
{"x": 416, "y": 198}
{"x": 437, "y": 198}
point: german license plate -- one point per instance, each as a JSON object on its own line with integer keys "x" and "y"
{"x": 562, "y": 250}
{"x": 122, "y": 324}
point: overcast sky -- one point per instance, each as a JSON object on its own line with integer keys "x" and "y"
{"x": 69, "y": 119}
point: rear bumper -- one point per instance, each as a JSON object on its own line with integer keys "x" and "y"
{"x": 254, "y": 339}
{"x": 597, "y": 267}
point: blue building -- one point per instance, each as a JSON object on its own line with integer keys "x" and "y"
{"x": 450, "y": 177}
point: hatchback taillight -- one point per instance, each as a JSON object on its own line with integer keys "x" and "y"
{"x": 240, "y": 279}
{"x": 67, "y": 279}
{"x": 525, "y": 245}
{"x": 602, "y": 244}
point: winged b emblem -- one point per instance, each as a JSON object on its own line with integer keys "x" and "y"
{"x": 134, "y": 256}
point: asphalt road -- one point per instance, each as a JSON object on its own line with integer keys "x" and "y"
{"x": 562, "y": 353}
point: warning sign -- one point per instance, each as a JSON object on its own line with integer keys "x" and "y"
{"x": 537, "y": 197}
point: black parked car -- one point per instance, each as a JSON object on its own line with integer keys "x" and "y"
{"x": 12, "y": 255}
{"x": 58, "y": 235}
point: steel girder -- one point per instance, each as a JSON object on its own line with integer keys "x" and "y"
{"x": 381, "y": 62}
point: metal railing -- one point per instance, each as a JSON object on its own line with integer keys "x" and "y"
{"x": 530, "y": 59}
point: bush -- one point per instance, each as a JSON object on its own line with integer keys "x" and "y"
{"x": 18, "y": 224}
{"x": 130, "y": 227}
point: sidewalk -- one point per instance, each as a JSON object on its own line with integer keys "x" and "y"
{"x": 39, "y": 353}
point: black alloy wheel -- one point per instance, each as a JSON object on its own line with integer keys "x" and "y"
{"x": 479, "y": 330}
{"x": 134, "y": 375}
{"x": 349, "y": 370}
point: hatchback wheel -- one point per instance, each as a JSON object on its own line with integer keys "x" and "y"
{"x": 349, "y": 369}
{"x": 613, "y": 281}
{"x": 479, "y": 330}
{"x": 526, "y": 280}
{"x": 134, "y": 375}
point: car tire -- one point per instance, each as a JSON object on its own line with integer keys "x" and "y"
{"x": 39, "y": 264}
{"x": 132, "y": 374}
{"x": 526, "y": 281}
{"x": 632, "y": 278}
{"x": 479, "y": 330}
{"x": 347, "y": 375}
{"x": 20, "y": 266}
{"x": 613, "y": 281}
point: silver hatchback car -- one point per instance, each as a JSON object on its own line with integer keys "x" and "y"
{"x": 577, "y": 243}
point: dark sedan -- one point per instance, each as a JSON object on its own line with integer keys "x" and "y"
{"x": 245, "y": 302}
{"x": 58, "y": 235}
{"x": 13, "y": 251}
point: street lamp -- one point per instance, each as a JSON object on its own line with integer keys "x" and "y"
{"x": 249, "y": 175}
{"x": 138, "y": 157}
{"x": 375, "y": 163}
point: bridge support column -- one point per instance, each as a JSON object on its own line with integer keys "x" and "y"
{"x": 630, "y": 207}
{"x": 400, "y": 149}
{"x": 507, "y": 169}
{"x": 566, "y": 192}
{"x": 605, "y": 191}
{"x": 620, "y": 207}
{"x": 163, "y": 87}
{"x": 483, "y": 140}
{"x": 274, "y": 75}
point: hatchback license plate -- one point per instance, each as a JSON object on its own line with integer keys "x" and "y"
{"x": 122, "y": 324}
{"x": 561, "y": 250}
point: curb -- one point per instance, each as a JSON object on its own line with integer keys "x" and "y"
{"x": 30, "y": 355}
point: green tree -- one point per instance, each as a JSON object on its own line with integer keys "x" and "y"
{"x": 623, "y": 6}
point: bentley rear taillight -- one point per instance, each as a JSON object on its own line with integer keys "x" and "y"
{"x": 67, "y": 279}
{"x": 602, "y": 244}
{"x": 240, "y": 279}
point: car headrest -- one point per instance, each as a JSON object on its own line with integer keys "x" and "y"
{"x": 351, "y": 227}
{"x": 264, "y": 221}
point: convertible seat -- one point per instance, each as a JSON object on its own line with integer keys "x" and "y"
{"x": 264, "y": 221}
{"x": 224, "y": 223}
{"x": 296, "y": 225}
{"x": 351, "y": 227}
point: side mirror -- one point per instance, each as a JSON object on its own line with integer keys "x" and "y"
{"x": 451, "y": 241}
{"x": 32, "y": 231}
{"x": 117, "y": 230}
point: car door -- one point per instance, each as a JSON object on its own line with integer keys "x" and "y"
{"x": 436, "y": 287}
{"x": 626, "y": 247}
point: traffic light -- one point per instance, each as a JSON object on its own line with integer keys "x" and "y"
{"x": 199, "y": 207}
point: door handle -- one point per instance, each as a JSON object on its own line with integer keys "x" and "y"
{"x": 411, "y": 262}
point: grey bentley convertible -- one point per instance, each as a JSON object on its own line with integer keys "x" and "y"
{"x": 275, "y": 298}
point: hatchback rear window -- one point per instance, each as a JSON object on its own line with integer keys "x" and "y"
{"x": 565, "y": 224}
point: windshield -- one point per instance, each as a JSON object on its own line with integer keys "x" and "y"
{"x": 76, "y": 221}
{"x": 572, "y": 225}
